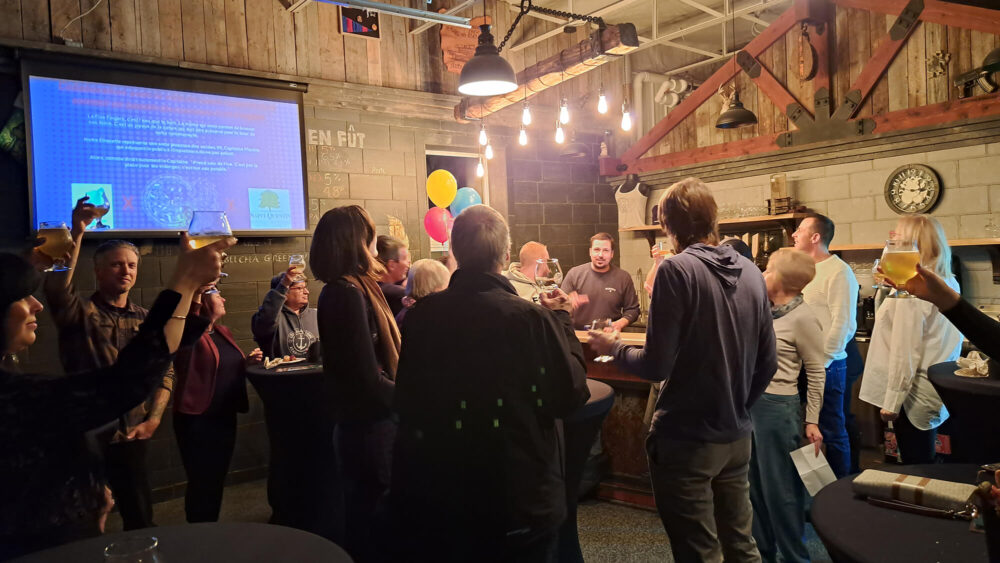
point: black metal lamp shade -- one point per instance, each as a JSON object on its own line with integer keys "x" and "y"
{"x": 487, "y": 73}
{"x": 736, "y": 116}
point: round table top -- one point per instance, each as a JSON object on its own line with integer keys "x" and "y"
{"x": 943, "y": 375}
{"x": 233, "y": 542}
{"x": 284, "y": 370}
{"x": 858, "y": 531}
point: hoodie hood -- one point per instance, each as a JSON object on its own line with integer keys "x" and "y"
{"x": 722, "y": 261}
{"x": 514, "y": 274}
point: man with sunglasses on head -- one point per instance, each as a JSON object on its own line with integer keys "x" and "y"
{"x": 285, "y": 325}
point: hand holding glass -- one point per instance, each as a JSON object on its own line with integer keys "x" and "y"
{"x": 297, "y": 263}
{"x": 207, "y": 227}
{"x": 548, "y": 275}
{"x": 101, "y": 204}
{"x": 57, "y": 244}
{"x": 603, "y": 325}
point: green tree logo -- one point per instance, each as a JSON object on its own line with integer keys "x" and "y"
{"x": 269, "y": 200}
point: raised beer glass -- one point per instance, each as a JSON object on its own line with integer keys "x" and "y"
{"x": 548, "y": 275}
{"x": 101, "y": 206}
{"x": 899, "y": 263}
{"x": 57, "y": 244}
{"x": 207, "y": 227}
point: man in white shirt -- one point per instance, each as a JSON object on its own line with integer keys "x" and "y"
{"x": 833, "y": 296}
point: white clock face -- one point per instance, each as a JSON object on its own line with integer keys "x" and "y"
{"x": 912, "y": 189}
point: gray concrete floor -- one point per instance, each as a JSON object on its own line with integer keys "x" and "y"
{"x": 608, "y": 532}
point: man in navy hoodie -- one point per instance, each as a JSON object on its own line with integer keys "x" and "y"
{"x": 711, "y": 342}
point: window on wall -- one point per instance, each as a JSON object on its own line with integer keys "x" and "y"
{"x": 462, "y": 166}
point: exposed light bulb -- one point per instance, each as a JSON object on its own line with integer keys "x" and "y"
{"x": 602, "y": 103}
{"x": 480, "y": 169}
{"x": 489, "y": 152}
{"x": 482, "y": 135}
{"x": 522, "y": 137}
{"x": 560, "y": 136}
{"x": 626, "y": 121}
{"x": 564, "y": 112}
{"x": 526, "y": 114}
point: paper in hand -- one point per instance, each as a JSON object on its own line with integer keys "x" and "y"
{"x": 813, "y": 469}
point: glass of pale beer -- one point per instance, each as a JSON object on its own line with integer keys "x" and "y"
{"x": 57, "y": 244}
{"x": 899, "y": 263}
{"x": 207, "y": 227}
{"x": 297, "y": 263}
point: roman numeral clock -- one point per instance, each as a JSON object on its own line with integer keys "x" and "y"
{"x": 912, "y": 188}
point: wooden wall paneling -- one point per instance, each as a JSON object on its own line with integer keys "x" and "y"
{"x": 841, "y": 58}
{"x": 753, "y": 104}
{"x": 216, "y": 51}
{"x": 860, "y": 44}
{"x": 703, "y": 136}
{"x": 982, "y": 44}
{"x": 306, "y": 23}
{"x": 331, "y": 44}
{"x": 35, "y": 20}
{"x": 716, "y": 135}
{"x": 171, "y": 31}
{"x": 779, "y": 68}
{"x": 374, "y": 61}
{"x": 61, "y": 12}
{"x": 765, "y": 107}
{"x": 960, "y": 47}
{"x": 393, "y": 50}
{"x": 97, "y": 27}
{"x": 149, "y": 27}
{"x": 356, "y": 59}
{"x": 124, "y": 26}
{"x": 897, "y": 76}
{"x": 916, "y": 68}
{"x": 260, "y": 35}
{"x": 284, "y": 39}
{"x": 880, "y": 93}
{"x": 236, "y": 34}
{"x": 936, "y": 39}
{"x": 10, "y": 25}
{"x": 792, "y": 82}
{"x": 193, "y": 28}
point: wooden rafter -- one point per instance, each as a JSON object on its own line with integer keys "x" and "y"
{"x": 819, "y": 38}
{"x": 601, "y": 47}
{"x": 769, "y": 85}
{"x": 935, "y": 11}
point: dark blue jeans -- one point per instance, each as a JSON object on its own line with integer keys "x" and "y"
{"x": 776, "y": 491}
{"x": 832, "y": 421}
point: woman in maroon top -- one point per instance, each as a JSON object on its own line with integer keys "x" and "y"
{"x": 210, "y": 390}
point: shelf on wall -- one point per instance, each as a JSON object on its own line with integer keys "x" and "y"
{"x": 748, "y": 223}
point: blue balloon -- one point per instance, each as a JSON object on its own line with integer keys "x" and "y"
{"x": 466, "y": 197}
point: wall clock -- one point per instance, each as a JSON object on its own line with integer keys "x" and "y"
{"x": 912, "y": 188}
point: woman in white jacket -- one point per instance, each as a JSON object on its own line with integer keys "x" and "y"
{"x": 911, "y": 335}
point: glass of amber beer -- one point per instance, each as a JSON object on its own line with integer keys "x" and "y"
{"x": 899, "y": 263}
{"x": 207, "y": 227}
{"x": 57, "y": 244}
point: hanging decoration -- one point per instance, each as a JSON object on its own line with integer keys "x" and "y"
{"x": 359, "y": 23}
{"x": 441, "y": 187}
{"x": 437, "y": 223}
{"x": 465, "y": 198}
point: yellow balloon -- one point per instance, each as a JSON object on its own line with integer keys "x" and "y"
{"x": 442, "y": 187}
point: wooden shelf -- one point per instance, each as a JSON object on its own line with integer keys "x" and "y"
{"x": 954, "y": 243}
{"x": 746, "y": 223}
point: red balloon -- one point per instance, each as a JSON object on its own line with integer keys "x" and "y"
{"x": 437, "y": 223}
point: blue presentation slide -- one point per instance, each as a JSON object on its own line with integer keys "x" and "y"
{"x": 158, "y": 155}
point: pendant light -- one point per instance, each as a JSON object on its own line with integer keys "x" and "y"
{"x": 736, "y": 115}
{"x": 480, "y": 169}
{"x": 482, "y": 134}
{"x": 526, "y": 114}
{"x": 602, "y": 101}
{"x": 626, "y": 117}
{"x": 486, "y": 73}
{"x": 488, "y": 152}
{"x": 564, "y": 111}
{"x": 522, "y": 137}
{"x": 560, "y": 135}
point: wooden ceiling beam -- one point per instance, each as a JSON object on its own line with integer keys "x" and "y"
{"x": 615, "y": 40}
{"x": 935, "y": 11}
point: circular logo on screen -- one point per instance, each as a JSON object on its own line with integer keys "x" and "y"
{"x": 169, "y": 201}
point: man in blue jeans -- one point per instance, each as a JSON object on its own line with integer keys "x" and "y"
{"x": 833, "y": 296}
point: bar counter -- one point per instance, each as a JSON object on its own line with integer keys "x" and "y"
{"x": 624, "y": 432}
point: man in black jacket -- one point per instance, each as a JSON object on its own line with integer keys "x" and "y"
{"x": 483, "y": 377}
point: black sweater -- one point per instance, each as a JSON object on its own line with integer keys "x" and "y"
{"x": 981, "y": 330}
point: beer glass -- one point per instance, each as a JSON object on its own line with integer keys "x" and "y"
{"x": 133, "y": 550}
{"x": 878, "y": 276}
{"x": 207, "y": 227}
{"x": 58, "y": 243}
{"x": 602, "y": 325}
{"x": 297, "y": 263}
{"x": 899, "y": 263}
{"x": 101, "y": 206}
{"x": 548, "y": 275}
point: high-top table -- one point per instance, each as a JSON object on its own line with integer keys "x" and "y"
{"x": 303, "y": 487}
{"x": 972, "y": 404}
{"x": 231, "y": 542}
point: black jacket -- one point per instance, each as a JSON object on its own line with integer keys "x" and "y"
{"x": 483, "y": 377}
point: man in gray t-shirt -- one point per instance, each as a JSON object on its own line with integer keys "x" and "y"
{"x": 599, "y": 290}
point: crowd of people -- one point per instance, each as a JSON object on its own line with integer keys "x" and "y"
{"x": 455, "y": 453}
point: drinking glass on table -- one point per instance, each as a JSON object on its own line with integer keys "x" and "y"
{"x": 134, "y": 550}
{"x": 101, "y": 206}
{"x": 297, "y": 263}
{"x": 207, "y": 227}
{"x": 899, "y": 263}
{"x": 548, "y": 274}
{"x": 602, "y": 325}
{"x": 57, "y": 244}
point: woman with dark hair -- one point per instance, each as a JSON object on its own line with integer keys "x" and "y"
{"x": 49, "y": 492}
{"x": 210, "y": 390}
{"x": 360, "y": 344}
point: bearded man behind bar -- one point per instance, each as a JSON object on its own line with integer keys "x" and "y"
{"x": 710, "y": 340}
{"x": 483, "y": 377}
